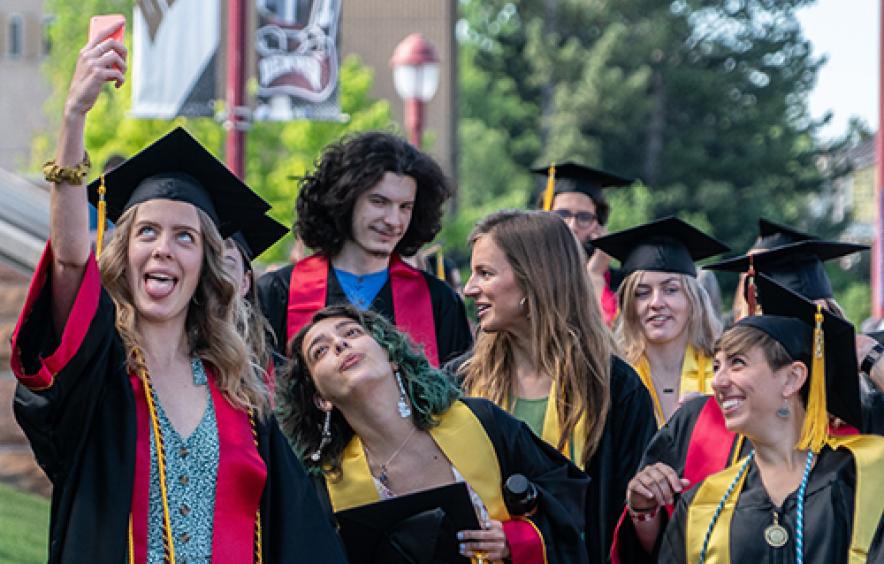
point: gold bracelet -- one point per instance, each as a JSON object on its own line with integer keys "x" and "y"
{"x": 75, "y": 175}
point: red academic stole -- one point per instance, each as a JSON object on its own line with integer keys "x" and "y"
{"x": 608, "y": 301}
{"x": 412, "y": 307}
{"x": 240, "y": 481}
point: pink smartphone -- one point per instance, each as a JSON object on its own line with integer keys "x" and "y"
{"x": 99, "y": 24}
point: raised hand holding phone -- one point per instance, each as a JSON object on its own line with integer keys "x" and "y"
{"x": 102, "y": 59}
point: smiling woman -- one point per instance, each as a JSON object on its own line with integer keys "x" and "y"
{"x": 667, "y": 325}
{"x": 131, "y": 365}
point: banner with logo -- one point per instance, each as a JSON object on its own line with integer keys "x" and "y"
{"x": 174, "y": 51}
{"x": 298, "y": 59}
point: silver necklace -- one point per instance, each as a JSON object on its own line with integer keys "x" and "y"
{"x": 383, "y": 475}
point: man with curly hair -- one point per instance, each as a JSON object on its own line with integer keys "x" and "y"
{"x": 372, "y": 199}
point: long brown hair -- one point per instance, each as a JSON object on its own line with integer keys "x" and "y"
{"x": 569, "y": 340}
{"x": 211, "y": 315}
{"x": 703, "y": 325}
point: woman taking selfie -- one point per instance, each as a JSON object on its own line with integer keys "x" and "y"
{"x": 138, "y": 395}
{"x": 666, "y": 327}
{"x": 364, "y": 410}
{"x": 545, "y": 355}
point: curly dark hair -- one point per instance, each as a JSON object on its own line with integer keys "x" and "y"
{"x": 430, "y": 390}
{"x": 349, "y": 168}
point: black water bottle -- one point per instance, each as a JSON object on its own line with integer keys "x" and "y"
{"x": 520, "y": 495}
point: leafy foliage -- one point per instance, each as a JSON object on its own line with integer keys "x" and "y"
{"x": 276, "y": 153}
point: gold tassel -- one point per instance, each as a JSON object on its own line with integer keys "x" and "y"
{"x": 815, "y": 430}
{"x": 550, "y": 188}
{"x": 440, "y": 264}
{"x": 102, "y": 218}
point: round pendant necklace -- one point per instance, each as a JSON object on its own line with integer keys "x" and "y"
{"x": 775, "y": 534}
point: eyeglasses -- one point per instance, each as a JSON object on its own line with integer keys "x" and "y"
{"x": 583, "y": 218}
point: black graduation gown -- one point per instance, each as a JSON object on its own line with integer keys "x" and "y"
{"x": 453, "y": 335}
{"x": 629, "y": 426}
{"x": 828, "y": 518}
{"x": 82, "y": 430}
{"x": 560, "y": 511}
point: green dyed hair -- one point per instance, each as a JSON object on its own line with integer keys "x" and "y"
{"x": 430, "y": 390}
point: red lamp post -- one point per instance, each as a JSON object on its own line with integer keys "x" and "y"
{"x": 416, "y": 78}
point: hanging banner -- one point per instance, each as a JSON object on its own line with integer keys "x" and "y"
{"x": 174, "y": 48}
{"x": 297, "y": 47}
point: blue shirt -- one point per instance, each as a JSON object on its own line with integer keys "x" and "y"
{"x": 362, "y": 290}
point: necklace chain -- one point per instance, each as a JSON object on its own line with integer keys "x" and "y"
{"x": 383, "y": 476}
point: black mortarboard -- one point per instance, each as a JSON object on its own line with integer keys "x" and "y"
{"x": 664, "y": 245}
{"x": 177, "y": 167}
{"x": 772, "y": 235}
{"x": 417, "y": 527}
{"x": 573, "y": 177}
{"x": 798, "y": 266}
{"x": 258, "y": 235}
{"x": 788, "y": 318}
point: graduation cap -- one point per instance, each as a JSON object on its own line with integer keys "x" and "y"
{"x": 572, "y": 177}
{"x": 177, "y": 167}
{"x": 417, "y": 527}
{"x": 257, "y": 236}
{"x": 825, "y": 343}
{"x": 772, "y": 235}
{"x": 664, "y": 245}
{"x": 798, "y": 266}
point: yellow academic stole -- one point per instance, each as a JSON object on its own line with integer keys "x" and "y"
{"x": 868, "y": 455}
{"x": 696, "y": 376}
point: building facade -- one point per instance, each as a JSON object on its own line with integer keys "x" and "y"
{"x": 23, "y": 45}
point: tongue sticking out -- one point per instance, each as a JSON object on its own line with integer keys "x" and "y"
{"x": 158, "y": 288}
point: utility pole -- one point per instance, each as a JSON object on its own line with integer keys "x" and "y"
{"x": 237, "y": 118}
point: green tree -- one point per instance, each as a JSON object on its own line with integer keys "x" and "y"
{"x": 704, "y": 100}
{"x": 276, "y": 153}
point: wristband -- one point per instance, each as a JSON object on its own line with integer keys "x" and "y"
{"x": 871, "y": 358}
{"x": 640, "y": 516}
{"x": 75, "y": 175}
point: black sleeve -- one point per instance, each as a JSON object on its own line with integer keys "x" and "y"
{"x": 273, "y": 296}
{"x": 672, "y": 545}
{"x": 562, "y": 486}
{"x": 628, "y": 428}
{"x": 453, "y": 336}
{"x": 297, "y": 529}
{"x": 61, "y": 378}
{"x": 669, "y": 445}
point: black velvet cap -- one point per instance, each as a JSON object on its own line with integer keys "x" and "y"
{"x": 788, "y": 318}
{"x": 573, "y": 177}
{"x": 772, "y": 235}
{"x": 664, "y": 245}
{"x": 258, "y": 235}
{"x": 177, "y": 167}
{"x": 798, "y": 266}
{"x": 416, "y": 527}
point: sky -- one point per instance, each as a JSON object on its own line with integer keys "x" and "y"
{"x": 847, "y": 32}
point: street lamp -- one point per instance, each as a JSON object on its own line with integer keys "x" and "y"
{"x": 416, "y": 77}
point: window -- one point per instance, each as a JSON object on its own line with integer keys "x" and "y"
{"x": 16, "y": 39}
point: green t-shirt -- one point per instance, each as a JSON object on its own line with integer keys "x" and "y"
{"x": 532, "y": 412}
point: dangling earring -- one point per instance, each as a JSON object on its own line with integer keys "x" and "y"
{"x": 402, "y": 404}
{"x": 326, "y": 438}
{"x": 523, "y": 305}
{"x": 784, "y": 410}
